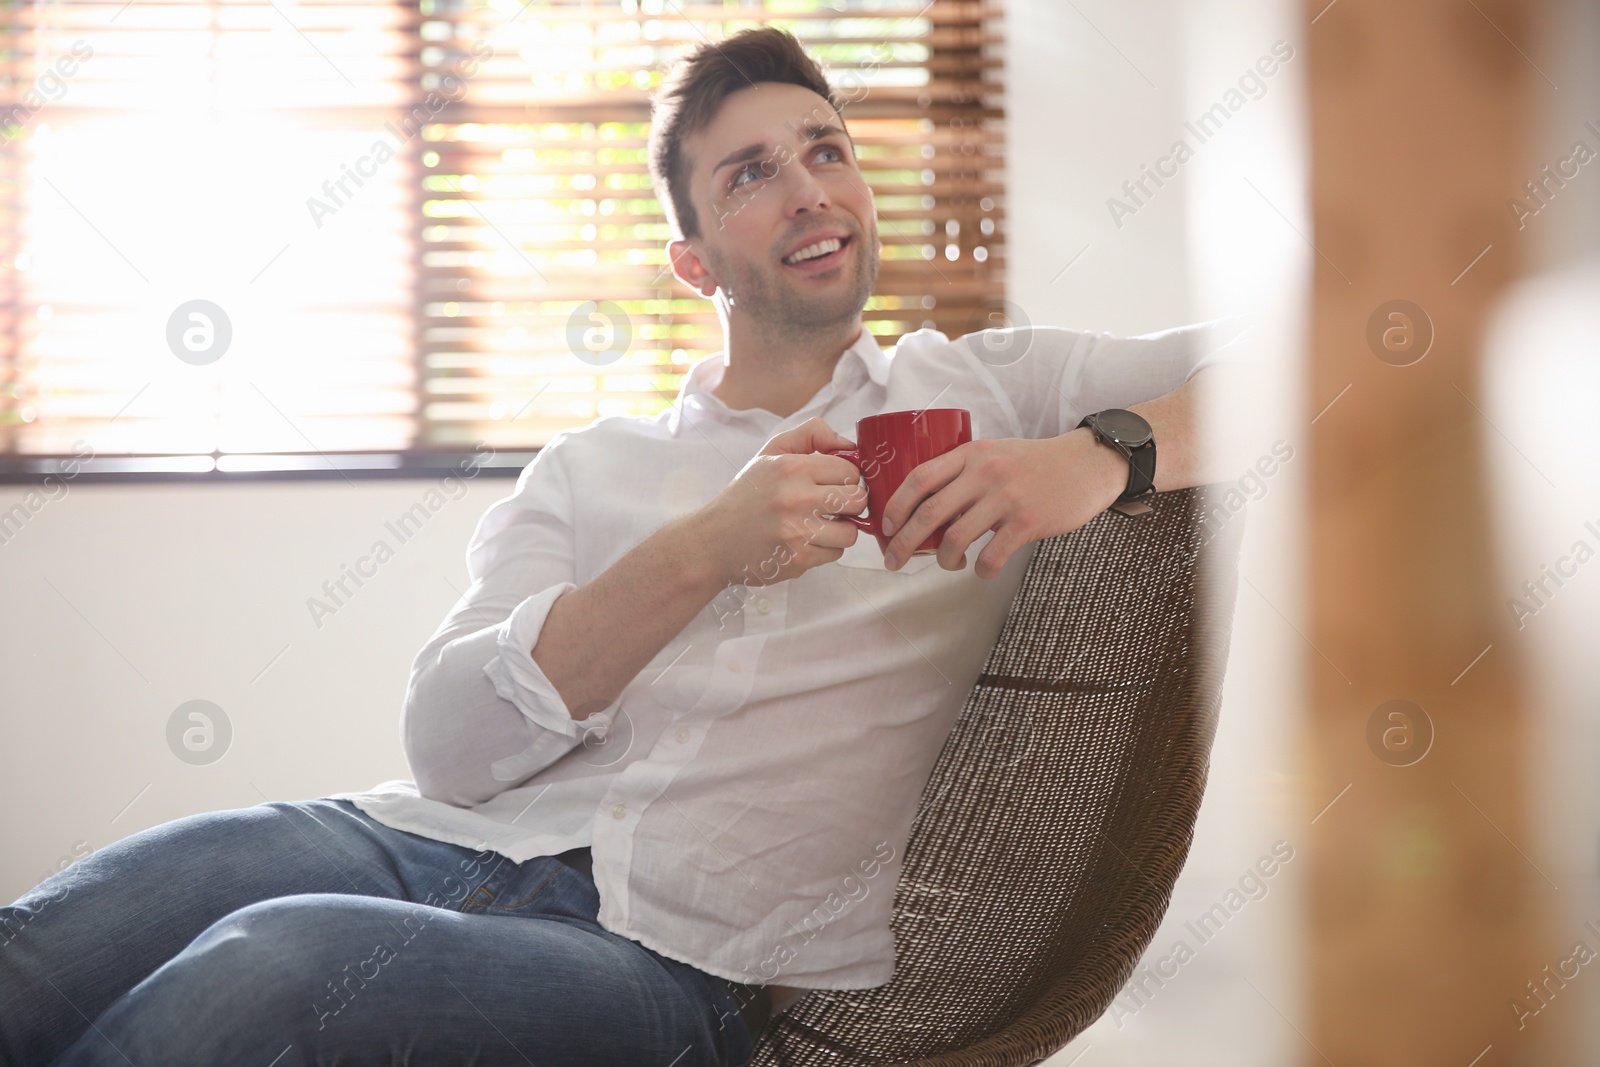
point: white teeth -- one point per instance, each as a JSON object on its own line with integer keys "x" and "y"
{"x": 821, "y": 248}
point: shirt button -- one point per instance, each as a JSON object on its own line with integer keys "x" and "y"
{"x": 618, "y": 810}
{"x": 763, "y": 605}
{"x": 682, "y": 734}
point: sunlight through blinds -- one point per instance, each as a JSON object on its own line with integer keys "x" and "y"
{"x": 410, "y": 222}
{"x": 161, "y": 153}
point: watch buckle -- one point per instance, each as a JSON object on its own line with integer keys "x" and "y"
{"x": 1132, "y": 508}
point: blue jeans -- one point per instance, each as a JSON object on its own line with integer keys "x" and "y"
{"x": 306, "y": 932}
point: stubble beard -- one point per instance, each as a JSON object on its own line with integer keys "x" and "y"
{"x": 779, "y": 310}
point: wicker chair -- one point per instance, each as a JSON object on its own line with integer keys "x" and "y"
{"x": 1060, "y": 811}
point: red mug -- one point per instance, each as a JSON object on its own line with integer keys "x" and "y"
{"x": 889, "y": 446}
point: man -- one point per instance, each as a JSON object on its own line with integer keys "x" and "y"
{"x": 668, "y": 747}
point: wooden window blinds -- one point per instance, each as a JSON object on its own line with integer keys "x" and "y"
{"x": 418, "y": 227}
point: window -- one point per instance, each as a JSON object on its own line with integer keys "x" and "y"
{"x": 416, "y": 228}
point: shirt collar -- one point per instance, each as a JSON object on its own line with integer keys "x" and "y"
{"x": 864, "y": 355}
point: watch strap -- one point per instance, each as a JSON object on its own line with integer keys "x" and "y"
{"x": 1141, "y": 472}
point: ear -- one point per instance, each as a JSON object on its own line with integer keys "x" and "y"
{"x": 689, "y": 268}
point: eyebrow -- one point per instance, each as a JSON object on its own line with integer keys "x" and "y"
{"x": 814, "y": 131}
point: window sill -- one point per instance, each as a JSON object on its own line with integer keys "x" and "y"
{"x": 287, "y": 466}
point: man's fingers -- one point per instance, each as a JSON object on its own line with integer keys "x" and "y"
{"x": 931, "y": 512}
{"x": 965, "y": 528}
{"x": 844, "y": 500}
{"x": 836, "y": 470}
{"x": 925, "y": 479}
{"x": 816, "y": 555}
{"x": 836, "y": 534}
{"x": 813, "y": 435}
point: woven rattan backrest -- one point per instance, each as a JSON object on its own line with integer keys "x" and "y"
{"x": 1060, "y": 811}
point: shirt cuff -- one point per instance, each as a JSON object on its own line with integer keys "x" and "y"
{"x": 517, "y": 677}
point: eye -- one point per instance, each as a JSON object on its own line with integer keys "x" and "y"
{"x": 749, "y": 168}
{"x": 838, "y": 155}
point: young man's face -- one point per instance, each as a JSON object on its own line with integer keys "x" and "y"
{"x": 772, "y": 175}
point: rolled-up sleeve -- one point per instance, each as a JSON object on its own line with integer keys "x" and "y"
{"x": 480, "y": 716}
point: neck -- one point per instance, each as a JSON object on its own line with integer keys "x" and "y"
{"x": 776, "y": 371}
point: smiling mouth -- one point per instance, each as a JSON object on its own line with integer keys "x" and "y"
{"x": 819, "y": 255}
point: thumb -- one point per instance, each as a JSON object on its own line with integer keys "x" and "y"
{"x": 813, "y": 435}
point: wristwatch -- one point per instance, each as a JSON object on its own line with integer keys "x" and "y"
{"x": 1130, "y": 435}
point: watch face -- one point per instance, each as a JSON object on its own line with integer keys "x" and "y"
{"x": 1124, "y": 427}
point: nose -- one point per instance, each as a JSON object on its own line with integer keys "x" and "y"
{"x": 806, "y": 193}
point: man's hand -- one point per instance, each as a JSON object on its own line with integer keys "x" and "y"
{"x": 1021, "y": 489}
{"x": 771, "y": 522}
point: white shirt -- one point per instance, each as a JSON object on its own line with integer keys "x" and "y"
{"x": 749, "y": 805}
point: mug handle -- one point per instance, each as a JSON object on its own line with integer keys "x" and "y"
{"x": 868, "y": 523}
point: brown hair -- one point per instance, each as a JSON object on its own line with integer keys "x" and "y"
{"x": 693, "y": 92}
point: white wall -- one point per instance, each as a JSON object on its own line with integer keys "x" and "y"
{"x": 1097, "y": 91}
{"x": 124, "y": 601}
{"x": 1081, "y": 119}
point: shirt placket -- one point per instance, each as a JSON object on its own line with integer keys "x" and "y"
{"x": 766, "y": 608}
{"x": 761, "y": 610}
